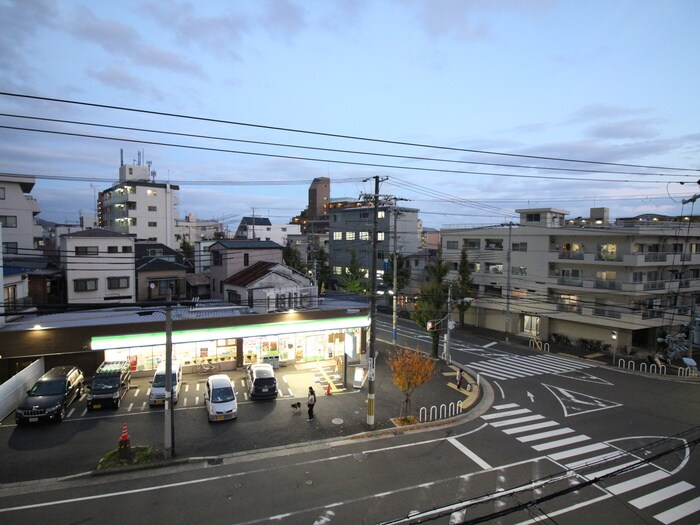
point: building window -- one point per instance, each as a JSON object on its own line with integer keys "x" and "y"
{"x": 155, "y": 252}
{"x": 246, "y": 259}
{"x": 86, "y": 250}
{"x": 364, "y": 215}
{"x": 519, "y": 247}
{"x": 10, "y": 248}
{"x": 381, "y": 214}
{"x": 519, "y": 270}
{"x": 452, "y": 245}
{"x": 127, "y": 249}
{"x": 8, "y": 221}
{"x": 532, "y": 217}
{"x": 216, "y": 258}
{"x": 454, "y": 266}
{"x": 112, "y": 249}
{"x": 2, "y": 193}
{"x": 116, "y": 283}
{"x": 494, "y": 244}
{"x": 349, "y": 236}
{"x": 337, "y": 236}
{"x": 473, "y": 244}
{"x": 84, "y": 285}
{"x": 152, "y": 224}
{"x": 153, "y": 208}
{"x": 337, "y": 270}
{"x": 475, "y": 267}
{"x": 364, "y": 236}
{"x": 380, "y": 236}
{"x": 250, "y": 299}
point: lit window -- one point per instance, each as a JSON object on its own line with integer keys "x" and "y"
{"x": 380, "y": 236}
{"x": 337, "y": 236}
{"x": 349, "y": 236}
{"x": 364, "y": 236}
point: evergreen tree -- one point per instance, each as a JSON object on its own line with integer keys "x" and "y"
{"x": 292, "y": 258}
{"x": 465, "y": 286}
{"x": 353, "y": 279}
{"x": 403, "y": 273}
{"x": 431, "y": 304}
{"x": 323, "y": 270}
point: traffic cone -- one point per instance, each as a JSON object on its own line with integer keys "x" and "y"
{"x": 124, "y": 439}
{"x": 328, "y": 389}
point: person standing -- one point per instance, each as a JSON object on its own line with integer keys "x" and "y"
{"x": 459, "y": 379}
{"x": 310, "y": 402}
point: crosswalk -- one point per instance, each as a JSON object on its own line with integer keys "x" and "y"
{"x": 619, "y": 472}
{"x": 513, "y": 366}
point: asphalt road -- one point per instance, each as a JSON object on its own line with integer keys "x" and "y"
{"x": 558, "y": 439}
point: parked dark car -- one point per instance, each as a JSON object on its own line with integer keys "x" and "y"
{"x": 51, "y": 395}
{"x": 262, "y": 383}
{"x": 109, "y": 385}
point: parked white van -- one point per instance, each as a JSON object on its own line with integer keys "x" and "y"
{"x": 157, "y": 395}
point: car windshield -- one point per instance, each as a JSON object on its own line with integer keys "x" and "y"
{"x": 47, "y": 388}
{"x": 102, "y": 382}
{"x": 222, "y": 395}
{"x": 265, "y": 381}
{"x": 264, "y": 372}
{"x": 159, "y": 380}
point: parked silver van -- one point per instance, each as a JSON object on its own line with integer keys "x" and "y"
{"x": 157, "y": 394}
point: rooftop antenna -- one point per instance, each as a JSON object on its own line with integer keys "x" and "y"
{"x": 121, "y": 157}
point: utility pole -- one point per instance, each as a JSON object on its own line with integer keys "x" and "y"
{"x": 508, "y": 285}
{"x": 396, "y": 288}
{"x": 371, "y": 372}
{"x": 169, "y": 438}
{"x": 448, "y": 358}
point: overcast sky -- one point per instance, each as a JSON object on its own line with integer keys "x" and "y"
{"x": 606, "y": 81}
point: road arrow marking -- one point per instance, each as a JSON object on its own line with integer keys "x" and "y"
{"x": 575, "y": 403}
{"x": 532, "y": 397}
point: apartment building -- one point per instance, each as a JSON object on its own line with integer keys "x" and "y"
{"x": 350, "y": 229}
{"x": 18, "y": 209}
{"x": 260, "y": 228}
{"x": 584, "y": 277}
{"x": 191, "y": 229}
{"x": 99, "y": 267}
{"x": 139, "y": 206}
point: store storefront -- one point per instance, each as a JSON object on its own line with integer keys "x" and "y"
{"x": 276, "y": 343}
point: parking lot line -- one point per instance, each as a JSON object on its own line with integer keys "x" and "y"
{"x": 131, "y": 405}
{"x": 136, "y": 393}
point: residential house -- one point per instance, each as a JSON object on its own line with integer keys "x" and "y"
{"x": 18, "y": 210}
{"x": 98, "y": 266}
{"x": 159, "y": 269}
{"x": 229, "y": 257}
{"x": 260, "y": 228}
{"x": 270, "y": 287}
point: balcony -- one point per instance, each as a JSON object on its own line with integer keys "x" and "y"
{"x": 570, "y": 281}
{"x": 569, "y": 255}
{"x": 610, "y": 312}
{"x": 607, "y": 284}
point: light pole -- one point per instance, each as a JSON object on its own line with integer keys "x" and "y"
{"x": 396, "y": 273}
{"x": 371, "y": 365}
{"x": 508, "y": 269}
{"x": 169, "y": 438}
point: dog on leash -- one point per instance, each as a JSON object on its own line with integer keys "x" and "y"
{"x": 296, "y": 406}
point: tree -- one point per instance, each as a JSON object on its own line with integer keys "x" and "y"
{"x": 432, "y": 299}
{"x": 409, "y": 370}
{"x": 292, "y": 258}
{"x": 465, "y": 286}
{"x": 353, "y": 279}
{"x": 323, "y": 270}
{"x": 403, "y": 273}
{"x": 187, "y": 249}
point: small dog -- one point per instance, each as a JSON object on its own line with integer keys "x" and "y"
{"x": 296, "y": 406}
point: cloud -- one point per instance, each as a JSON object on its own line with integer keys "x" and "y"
{"x": 123, "y": 40}
{"x": 118, "y": 78}
{"x": 625, "y": 129}
{"x": 283, "y": 18}
{"x": 450, "y": 18}
{"x": 219, "y": 34}
{"x": 604, "y": 111}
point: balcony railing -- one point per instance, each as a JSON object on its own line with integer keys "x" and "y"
{"x": 652, "y": 314}
{"x": 570, "y": 281}
{"x": 578, "y": 256}
{"x": 606, "y": 284}
{"x": 607, "y": 312}
{"x": 655, "y": 285}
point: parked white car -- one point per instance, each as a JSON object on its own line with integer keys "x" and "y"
{"x": 220, "y": 398}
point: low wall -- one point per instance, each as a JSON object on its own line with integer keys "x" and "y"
{"x": 14, "y": 390}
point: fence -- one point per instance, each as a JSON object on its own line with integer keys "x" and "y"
{"x": 630, "y": 364}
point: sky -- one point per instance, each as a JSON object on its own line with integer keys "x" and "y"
{"x": 466, "y": 110}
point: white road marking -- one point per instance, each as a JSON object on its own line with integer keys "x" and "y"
{"x": 471, "y": 455}
{"x": 560, "y": 443}
{"x": 506, "y": 414}
{"x": 131, "y": 405}
{"x": 544, "y": 435}
{"x": 635, "y": 483}
{"x": 578, "y": 451}
{"x": 517, "y": 420}
{"x": 528, "y": 428}
{"x": 681, "y": 511}
{"x": 660, "y": 495}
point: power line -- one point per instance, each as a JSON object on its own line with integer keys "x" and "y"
{"x": 336, "y": 135}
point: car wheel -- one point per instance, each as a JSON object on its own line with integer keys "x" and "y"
{"x": 61, "y": 414}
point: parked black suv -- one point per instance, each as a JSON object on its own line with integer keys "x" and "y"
{"x": 109, "y": 384}
{"x": 50, "y": 395}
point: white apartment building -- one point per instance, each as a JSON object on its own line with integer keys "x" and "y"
{"x": 139, "y": 206}
{"x": 260, "y": 228}
{"x": 192, "y": 229}
{"x": 17, "y": 212}
{"x": 99, "y": 267}
{"x": 583, "y": 278}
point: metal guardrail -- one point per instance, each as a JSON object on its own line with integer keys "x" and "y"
{"x": 444, "y": 411}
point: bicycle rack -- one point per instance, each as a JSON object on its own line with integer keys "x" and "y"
{"x": 537, "y": 344}
{"x": 444, "y": 411}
